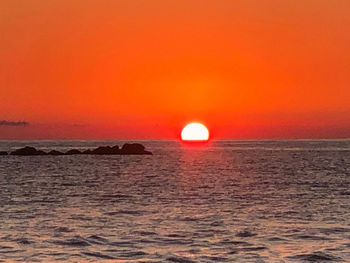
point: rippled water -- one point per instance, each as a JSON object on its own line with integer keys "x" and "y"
{"x": 230, "y": 201}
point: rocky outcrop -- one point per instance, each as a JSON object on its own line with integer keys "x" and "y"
{"x": 54, "y": 152}
{"x": 73, "y": 152}
{"x": 106, "y": 150}
{"x": 134, "y": 148}
{"x": 127, "y": 149}
{"x": 28, "y": 151}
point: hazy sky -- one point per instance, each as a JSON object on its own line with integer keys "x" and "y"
{"x": 122, "y": 69}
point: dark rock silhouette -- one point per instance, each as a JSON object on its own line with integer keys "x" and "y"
{"x": 127, "y": 149}
{"x": 115, "y": 148}
{"x": 106, "y": 150}
{"x": 28, "y": 151}
{"x": 134, "y": 148}
{"x": 73, "y": 151}
{"x": 102, "y": 150}
{"x": 54, "y": 152}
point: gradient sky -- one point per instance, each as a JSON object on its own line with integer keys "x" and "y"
{"x": 144, "y": 68}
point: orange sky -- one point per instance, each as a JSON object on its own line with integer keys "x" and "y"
{"x": 144, "y": 68}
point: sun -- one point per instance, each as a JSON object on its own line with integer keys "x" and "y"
{"x": 195, "y": 132}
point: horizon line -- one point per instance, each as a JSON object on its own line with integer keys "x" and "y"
{"x": 174, "y": 139}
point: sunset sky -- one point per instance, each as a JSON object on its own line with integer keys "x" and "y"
{"x": 145, "y": 68}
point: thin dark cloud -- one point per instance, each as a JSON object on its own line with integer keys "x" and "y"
{"x": 13, "y": 123}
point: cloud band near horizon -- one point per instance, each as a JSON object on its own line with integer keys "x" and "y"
{"x": 13, "y": 123}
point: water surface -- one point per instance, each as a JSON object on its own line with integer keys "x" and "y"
{"x": 231, "y": 201}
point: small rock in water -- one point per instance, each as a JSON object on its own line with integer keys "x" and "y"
{"x": 102, "y": 150}
{"x": 54, "y": 152}
{"x": 28, "y": 151}
{"x": 73, "y": 151}
{"x": 134, "y": 148}
{"x": 40, "y": 152}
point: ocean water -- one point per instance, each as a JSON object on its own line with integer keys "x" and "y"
{"x": 228, "y": 201}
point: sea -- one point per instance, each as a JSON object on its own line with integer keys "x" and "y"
{"x": 226, "y": 201}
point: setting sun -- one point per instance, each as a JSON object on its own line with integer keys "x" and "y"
{"x": 195, "y": 132}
